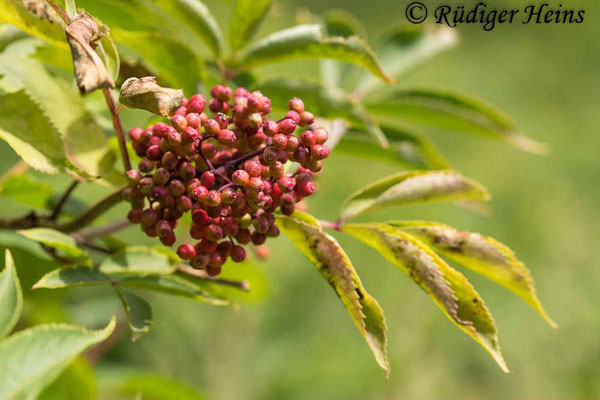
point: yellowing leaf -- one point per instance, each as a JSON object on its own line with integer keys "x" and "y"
{"x": 480, "y": 253}
{"x": 410, "y": 187}
{"x": 448, "y": 288}
{"x": 335, "y": 266}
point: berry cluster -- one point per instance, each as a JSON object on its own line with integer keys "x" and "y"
{"x": 228, "y": 171}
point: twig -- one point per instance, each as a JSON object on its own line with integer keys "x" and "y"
{"x": 61, "y": 13}
{"x": 224, "y": 168}
{"x": 92, "y": 213}
{"x": 110, "y": 102}
{"x": 63, "y": 200}
{"x": 242, "y": 285}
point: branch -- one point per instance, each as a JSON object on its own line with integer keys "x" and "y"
{"x": 224, "y": 168}
{"x": 63, "y": 200}
{"x": 242, "y": 285}
{"x": 92, "y": 213}
{"x": 110, "y": 102}
{"x": 100, "y": 231}
{"x": 61, "y": 13}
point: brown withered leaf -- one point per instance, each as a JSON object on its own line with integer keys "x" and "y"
{"x": 90, "y": 71}
{"x": 145, "y": 94}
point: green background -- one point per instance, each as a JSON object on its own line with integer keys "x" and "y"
{"x": 293, "y": 339}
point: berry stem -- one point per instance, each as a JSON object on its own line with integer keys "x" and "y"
{"x": 59, "y": 206}
{"x": 110, "y": 102}
{"x": 61, "y": 13}
{"x": 242, "y": 285}
{"x": 223, "y": 169}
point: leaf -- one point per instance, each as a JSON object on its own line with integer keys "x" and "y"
{"x": 169, "y": 284}
{"x": 107, "y": 49}
{"x": 480, "y": 253}
{"x": 145, "y": 94}
{"x": 33, "y": 358}
{"x": 448, "y": 288}
{"x": 139, "y": 313}
{"x": 198, "y": 18}
{"x": 36, "y": 18}
{"x": 335, "y": 266}
{"x": 26, "y": 190}
{"x": 416, "y": 146}
{"x": 71, "y": 8}
{"x": 403, "y": 48}
{"x": 77, "y": 382}
{"x": 410, "y": 187}
{"x": 245, "y": 20}
{"x": 450, "y": 111}
{"x": 11, "y": 296}
{"x": 64, "y": 135}
{"x": 139, "y": 260}
{"x": 309, "y": 41}
{"x": 62, "y": 242}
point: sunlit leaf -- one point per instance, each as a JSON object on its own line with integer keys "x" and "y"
{"x": 480, "y": 253}
{"x": 34, "y": 357}
{"x": 71, "y": 8}
{"x": 448, "y": 288}
{"x": 11, "y": 296}
{"x": 146, "y": 94}
{"x": 26, "y": 190}
{"x": 63, "y": 243}
{"x": 309, "y": 41}
{"x": 36, "y": 18}
{"x": 107, "y": 49}
{"x": 139, "y": 313}
{"x": 404, "y": 47}
{"x": 450, "y": 111}
{"x": 169, "y": 284}
{"x": 245, "y": 20}
{"x": 139, "y": 260}
{"x": 410, "y": 187}
{"x": 335, "y": 266}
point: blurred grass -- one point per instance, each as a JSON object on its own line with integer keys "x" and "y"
{"x": 298, "y": 343}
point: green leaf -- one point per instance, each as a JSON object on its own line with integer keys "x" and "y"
{"x": 26, "y": 190}
{"x": 169, "y": 284}
{"x": 150, "y": 386}
{"x": 139, "y": 313}
{"x": 140, "y": 260}
{"x": 416, "y": 147}
{"x": 53, "y": 130}
{"x": 403, "y": 48}
{"x": 410, "y": 187}
{"x": 450, "y": 111}
{"x": 309, "y": 41}
{"x": 245, "y": 20}
{"x": 33, "y": 358}
{"x": 43, "y": 23}
{"x": 71, "y": 8}
{"x": 62, "y": 242}
{"x": 109, "y": 53}
{"x": 77, "y": 382}
{"x": 448, "y": 288}
{"x": 11, "y": 296}
{"x": 198, "y": 18}
{"x": 480, "y": 253}
{"x": 335, "y": 266}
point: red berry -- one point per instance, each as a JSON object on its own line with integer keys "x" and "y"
{"x": 306, "y": 188}
{"x": 287, "y": 126}
{"x": 296, "y": 104}
{"x": 243, "y": 236}
{"x": 196, "y": 106}
{"x": 226, "y": 137}
{"x": 135, "y": 134}
{"x": 212, "y": 127}
{"x": 319, "y": 152}
{"x": 321, "y": 135}
{"x": 207, "y": 246}
{"x": 293, "y": 115}
{"x": 308, "y": 138}
{"x": 240, "y": 177}
{"x": 200, "y": 261}
{"x": 179, "y": 122}
{"x": 271, "y": 128}
{"x": 169, "y": 239}
{"x": 207, "y": 179}
{"x": 200, "y": 217}
{"x": 306, "y": 118}
{"x": 135, "y": 215}
{"x": 238, "y": 254}
{"x": 213, "y": 199}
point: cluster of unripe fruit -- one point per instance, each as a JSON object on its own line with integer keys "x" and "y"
{"x": 228, "y": 170}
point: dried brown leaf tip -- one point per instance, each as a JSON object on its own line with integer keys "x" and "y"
{"x": 146, "y": 94}
{"x": 90, "y": 71}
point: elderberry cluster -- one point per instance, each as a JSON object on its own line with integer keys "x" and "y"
{"x": 228, "y": 170}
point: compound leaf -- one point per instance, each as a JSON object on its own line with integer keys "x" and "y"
{"x": 448, "y": 288}
{"x": 11, "y": 296}
{"x": 246, "y": 19}
{"x": 480, "y": 253}
{"x": 411, "y": 187}
{"x": 335, "y": 266}
{"x": 310, "y": 41}
{"x": 33, "y": 358}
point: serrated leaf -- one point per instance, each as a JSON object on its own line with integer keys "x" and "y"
{"x": 64, "y": 134}
{"x": 198, "y": 18}
{"x": 169, "y": 284}
{"x": 335, "y": 266}
{"x": 450, "y": 111}
{"x": 403, "y": 48}
{"x": 26, "y": 190}
{"x": 309, "y": 41}
{"x": 139, "y": 313}
{"x": 62, "y": 242}
{"x": 36, "y": 18}
{"x": 33, "y": 358}
{"x": 448, "y": 288}
{"x": 411, "y": 187}
{"x": 480, "y": 253}
{"x": 245, "y": 20}
{"x": 11, "y": 296}
{"x": 139, "y": 260}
